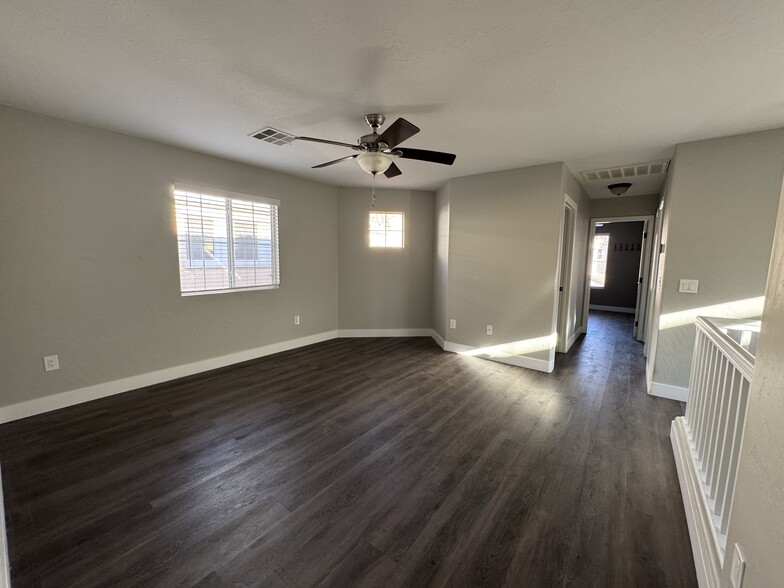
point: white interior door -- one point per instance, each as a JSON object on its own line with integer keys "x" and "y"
{"x": 641, "y": 309}
{"x": 564, "y": 328}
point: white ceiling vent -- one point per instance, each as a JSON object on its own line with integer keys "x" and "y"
{"x": 626, "y": 171}
{"x": 274, "y": 136}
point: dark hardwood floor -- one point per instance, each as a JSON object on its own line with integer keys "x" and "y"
{"x": 367, "y": 462}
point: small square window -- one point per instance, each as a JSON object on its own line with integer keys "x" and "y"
{"x": 386, "y": 229}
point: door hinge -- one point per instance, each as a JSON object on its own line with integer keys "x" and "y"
{"x": 645, "y": 235}
{"x": 640, "y": 279}
{"x": 560, "y": 289}
{"x": 661, "y": 248}
{"x": 636, "y": 323}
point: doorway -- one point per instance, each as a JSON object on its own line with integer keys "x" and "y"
{"x": 619, "y": 268}
{"x": 566, "y": 328}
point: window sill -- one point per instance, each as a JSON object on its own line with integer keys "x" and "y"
{"x": 227, "y": 290}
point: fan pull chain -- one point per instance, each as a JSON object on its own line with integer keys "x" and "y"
{"x": 373, "y": 194}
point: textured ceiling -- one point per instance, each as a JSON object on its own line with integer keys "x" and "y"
{"x": 502, "y": 84}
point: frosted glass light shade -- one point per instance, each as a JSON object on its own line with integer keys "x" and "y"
{"x": 374, "y": 162}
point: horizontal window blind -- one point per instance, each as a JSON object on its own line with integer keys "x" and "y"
{"x": 225, "y": 242}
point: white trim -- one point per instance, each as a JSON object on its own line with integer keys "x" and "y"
{"x": 63, "y": 399}
{"x": 577, "y": 332}
{"x": 540, "y": 365}
{"x": 707, "y": 558}
{"x": 457, "y": 347}
{"x": 623, "y": 309}
{"x": 438, "y": 338}
{"x": 5, "y": 567}
{"x": 668, "y": 391}
{"x": 385, "y": 332}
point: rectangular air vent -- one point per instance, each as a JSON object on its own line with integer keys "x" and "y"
{"x": 626, "y": 171}
{"x": 274, "y": 136}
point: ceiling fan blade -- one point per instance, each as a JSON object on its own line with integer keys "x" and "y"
{"x": 397, "y": 132}
{"x": 334, "y": 161}
{"x": 327, "y": 142}
{"x": 392, "y": 171}
{"x": 425, "y": 155}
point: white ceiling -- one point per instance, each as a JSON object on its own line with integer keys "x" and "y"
{"x": 503, "y": 84}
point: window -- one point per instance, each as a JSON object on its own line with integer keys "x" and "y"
{"x": 225, "y": 241}
{"x": 386, "y": 229}
{"x": 601, "y": 243}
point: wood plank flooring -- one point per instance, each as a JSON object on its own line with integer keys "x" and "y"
{"x": 358, "y": 462}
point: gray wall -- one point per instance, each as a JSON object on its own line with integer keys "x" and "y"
{"x": 623, "y": 266}
{"x": 721, "y": 207}
{"x": 503, "y": 255}
{"x": 625, "y": 206}
{"x": 89, "y": 258}
{"x": 757, "y": 516}
{"x": 385, "y": 288}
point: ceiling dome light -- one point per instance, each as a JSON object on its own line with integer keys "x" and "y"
{"x": 619, "y": 189}
{"x": 374, "y": 162}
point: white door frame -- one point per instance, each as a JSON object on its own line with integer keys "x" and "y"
{"x": 641, "y": 308}
{"x": 565, "y": 264}
{"x": 648, "y": 221}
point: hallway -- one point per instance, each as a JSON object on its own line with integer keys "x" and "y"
{"x": 358, "y": 462}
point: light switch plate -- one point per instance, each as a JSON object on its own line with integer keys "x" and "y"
{"x": 738, "y": 568}
{"x": 689, "y": 286}
{"x": 452, "y": 324}
{"x": 489, "y": 329}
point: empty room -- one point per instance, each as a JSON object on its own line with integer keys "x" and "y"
{"x": 391, "y": 294}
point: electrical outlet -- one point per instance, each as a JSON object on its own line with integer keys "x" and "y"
{"x": 738, "y": 568}
{"x": 296, "y": 319}
{"x": 489, "y": 329}
{"x": 452, "y": 324}
{"x": 51, "y": 363}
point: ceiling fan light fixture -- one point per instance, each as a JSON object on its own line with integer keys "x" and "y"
{"x": 374, "y": 162}
{"x": 619, "y": 189}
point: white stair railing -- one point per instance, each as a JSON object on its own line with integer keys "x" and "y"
{"x": 707, "y": 439}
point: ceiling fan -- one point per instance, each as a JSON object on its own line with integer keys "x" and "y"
{"x": 376, "y": 152}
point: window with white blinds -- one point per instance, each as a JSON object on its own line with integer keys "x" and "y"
{"x": 226, "y": 241}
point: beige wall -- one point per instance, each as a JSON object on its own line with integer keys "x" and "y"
{"x": 503, "y": 256}
{"x": 385, "y": 288}
{"x": 89, "y": 259}
{"x": 757, "y": 517}
{"x": 441, "y": 261}
{"x": 625, "y": 206}
{"x": 721, "y": 207}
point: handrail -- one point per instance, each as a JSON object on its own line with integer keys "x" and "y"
{"x": 739, "y": 356}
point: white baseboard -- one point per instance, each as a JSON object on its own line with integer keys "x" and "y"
{"x": 540, "y": 365}
{"x": 63, "y": 399}
{"x": 5, "y": 566}
{"x": 708, "y": 556}
{"x": 385, "y": 332}
{"x": 437, "y": 338}
{"x": 577, "y": 332}
{"x": 667, "y": 391}
{"x": 611, "y": 308}
{"x": 36, "y": 406}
